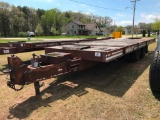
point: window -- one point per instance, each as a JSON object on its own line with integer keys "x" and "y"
{"x": 96, "y": 26}
{"x": 72, "y": 26}
{"x": 74, "y": 32}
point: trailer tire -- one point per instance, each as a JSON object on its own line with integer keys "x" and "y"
{"x": 143, "y": 52}
{"x": 146, "y": 49}
{"x": 154, "y": 73}
{"x": 124, "y": 58}
{"x": 135, "y": 56}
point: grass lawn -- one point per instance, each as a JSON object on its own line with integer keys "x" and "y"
{"x": 40, "y": 38}
{"x": 5, "y": 40}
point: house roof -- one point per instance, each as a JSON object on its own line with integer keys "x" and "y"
{"x": 90, "y": 26}
{"x": 78, "y": 23}
{"x": 103, "y": 29}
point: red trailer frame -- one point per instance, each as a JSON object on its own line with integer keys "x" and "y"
{"x": 64, "y": 59}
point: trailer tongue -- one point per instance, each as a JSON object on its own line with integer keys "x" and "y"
{"x": 65, "y": 59}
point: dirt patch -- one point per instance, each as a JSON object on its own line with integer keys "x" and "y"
{"x": 114, "y": 91}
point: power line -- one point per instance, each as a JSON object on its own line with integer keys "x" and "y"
{"x": 96, "y": 6}
{"x": 118, "y": 3}
{"x": 144, "y": 5}
{"x": 141, "y": 7}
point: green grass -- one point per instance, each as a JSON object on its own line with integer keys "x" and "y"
{"x": 6, "y": 41}
{"x": 40, "y": 38}
{"x": 153, "y": 36}
{"x": 55, "y": 37}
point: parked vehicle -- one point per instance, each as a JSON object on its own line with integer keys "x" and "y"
{"x": 63, "y": 34}
{"x": 31, "y": 34}
{"x": 153, "y": 33}
{"x": 101, "y": 33}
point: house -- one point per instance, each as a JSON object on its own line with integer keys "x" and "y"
{"x": 105, "y": 30}
{"x": 92, "y": 29}
{"x": 78, "y": 28}
{"x": 127, "y": 30}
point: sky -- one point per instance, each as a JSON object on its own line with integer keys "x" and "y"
{"x": 121, "y": 11}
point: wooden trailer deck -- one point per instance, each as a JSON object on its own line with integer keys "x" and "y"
{"x": 102, "y": 51}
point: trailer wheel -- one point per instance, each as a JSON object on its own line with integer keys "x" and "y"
{"x": 154, "y": 73}
{"x": 135, "y": 56}
{"x": 124, "y": 58}
{"x": 143, "y": 52}
{"x": 146, "y": 49}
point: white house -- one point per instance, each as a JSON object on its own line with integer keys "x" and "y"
{"x": 92, "y": 29}
{"x": 78, "y": 28}
{"x": 127, "y": 30}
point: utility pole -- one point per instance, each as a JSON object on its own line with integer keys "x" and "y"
{"x": 134, "y": 9}
{"x": 114, "y": 24}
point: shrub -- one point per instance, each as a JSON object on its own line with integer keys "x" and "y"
{"x": 22, "y": 34}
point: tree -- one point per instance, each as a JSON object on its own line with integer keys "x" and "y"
{"x": 142, "y": 25}
{"x": 156, "y": 25}
{"x": 16, "y": 21}
{"x": 53, "y": 31}
{"x": 119, "y": 29}
{"x": 40, "y": 12}
{"x": 4, "y": 19}
{"x": 39, "y": 30}
{"x": 145, "y": 26}
{"x": 136, "y": 29}
{"x": 111, "y": 28}
{"x": 52, "y": 18}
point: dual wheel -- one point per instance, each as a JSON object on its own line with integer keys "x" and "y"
{"x": 135, "y": 55}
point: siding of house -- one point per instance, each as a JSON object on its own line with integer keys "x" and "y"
{"x": 95, "y": 30}
{"x": 78, "y": 28}
{"x": 72, "y": 28}
{"x": 92, "y": 28}
{"x": 126, "y": 31}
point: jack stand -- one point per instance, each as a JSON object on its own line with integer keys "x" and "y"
{"x": 37, "y": 87}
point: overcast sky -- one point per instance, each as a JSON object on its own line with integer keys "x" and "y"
{"x": 146, "y": 10}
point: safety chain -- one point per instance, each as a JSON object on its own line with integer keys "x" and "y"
{"x": 12, "y": 85}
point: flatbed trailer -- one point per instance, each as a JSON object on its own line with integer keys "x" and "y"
{"x": 65, "y": 59}
{"x": 23, "y": 46}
